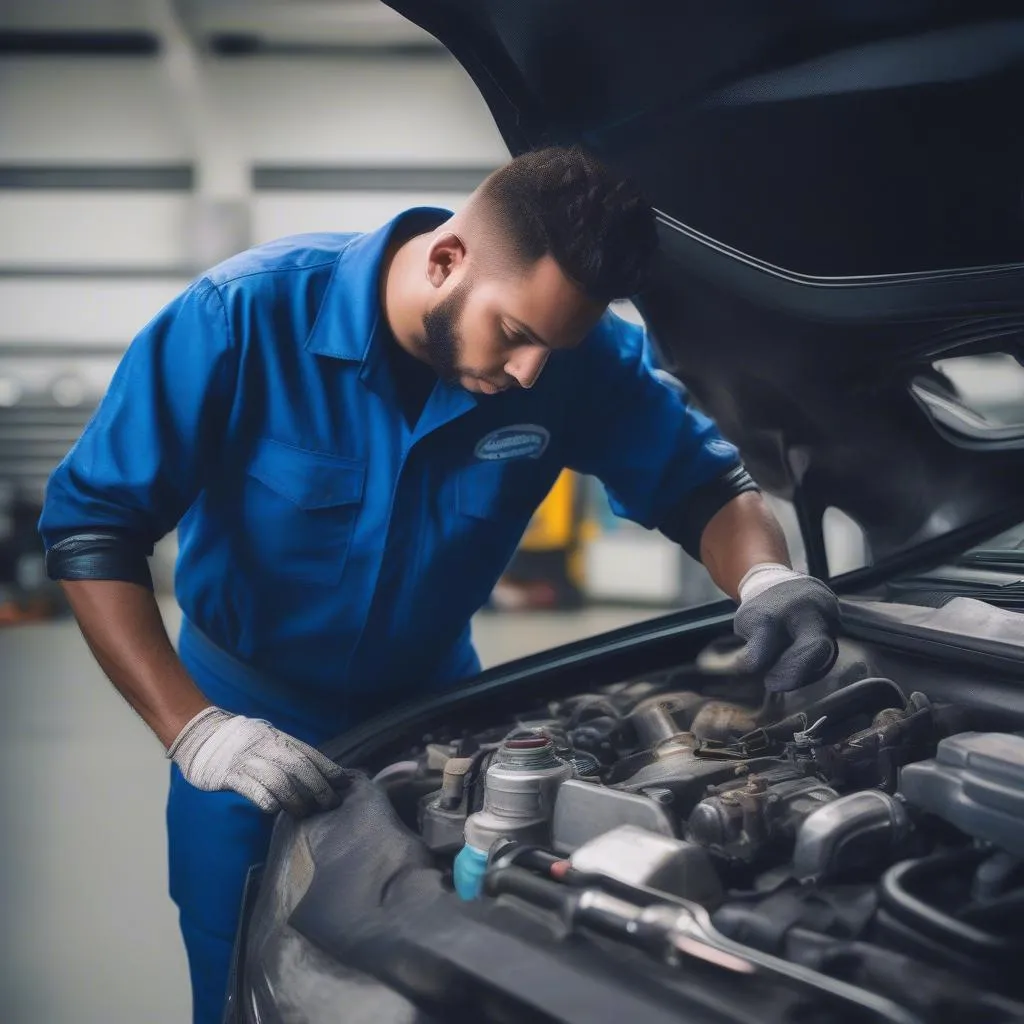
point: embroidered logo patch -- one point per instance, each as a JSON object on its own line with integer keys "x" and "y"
{"x": 523, "y": 441}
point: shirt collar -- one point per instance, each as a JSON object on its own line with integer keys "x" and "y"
{"x": 348, "y": 315}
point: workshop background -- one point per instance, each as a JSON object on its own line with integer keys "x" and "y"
{"x": 141, "y": 142}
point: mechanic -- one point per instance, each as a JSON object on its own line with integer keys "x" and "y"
{"x": 351, "y": 432}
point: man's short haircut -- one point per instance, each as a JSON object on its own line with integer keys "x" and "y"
{"x": 565, "y": 202}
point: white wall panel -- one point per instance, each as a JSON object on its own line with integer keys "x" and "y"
{"x": 358, "y": 111}
{"x": 135, "y": 230}
{"x": 85, "y": 310}
{"x": 276, "y": 214}
{"x": 66, "y": 110}
{"x": 68, "y": 15}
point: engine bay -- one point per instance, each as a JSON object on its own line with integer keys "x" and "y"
{"x": 838, "y": 845}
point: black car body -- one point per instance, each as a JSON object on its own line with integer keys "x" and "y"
{"x": 839, "y": 190}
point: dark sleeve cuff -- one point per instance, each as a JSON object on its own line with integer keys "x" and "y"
{"x": 100, "y": 555}
{"x": 686, "y": 522}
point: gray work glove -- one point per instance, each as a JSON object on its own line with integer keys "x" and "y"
{"x": 789, "y": 621}
{"x": 218, "y": 750}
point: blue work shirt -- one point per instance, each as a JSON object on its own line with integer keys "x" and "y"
{"x": 323, "y": 541}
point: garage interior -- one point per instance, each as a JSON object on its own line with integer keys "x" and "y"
{"x": 142, "y": 142}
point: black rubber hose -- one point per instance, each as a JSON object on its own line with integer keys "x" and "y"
{"x": 864, "y": 697}
{"x": 896, "y": 893}
{"x": 606, "y": 914}
{"x": 508, "y": 853}
{"x": 520, "y": 882}
{"x": 994, "y": 911}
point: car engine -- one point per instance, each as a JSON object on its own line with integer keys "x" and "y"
{"x": 872, "y": 836}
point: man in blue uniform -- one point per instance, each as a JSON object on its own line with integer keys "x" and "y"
{"x": 351, "y": 432}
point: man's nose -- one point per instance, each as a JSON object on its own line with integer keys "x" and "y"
{"x": 526, "y": 365}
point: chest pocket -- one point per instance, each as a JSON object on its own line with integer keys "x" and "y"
{"x": 502, "y": 492}
{"x": 301, "y": 509}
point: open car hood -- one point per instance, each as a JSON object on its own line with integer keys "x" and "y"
{"x": 839, "y": 190}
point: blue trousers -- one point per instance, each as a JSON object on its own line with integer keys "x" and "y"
{"x": 214, "y": 838}
{"x": 212, "y": 841}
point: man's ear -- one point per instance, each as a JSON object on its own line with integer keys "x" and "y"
{"x": 446, "y": 254}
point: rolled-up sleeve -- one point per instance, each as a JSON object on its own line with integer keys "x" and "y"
{"x": 636, "y": 431}
{"x": 141, "y": 460}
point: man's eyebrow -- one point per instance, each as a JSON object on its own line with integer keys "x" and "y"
{"x": 531, "y": 334}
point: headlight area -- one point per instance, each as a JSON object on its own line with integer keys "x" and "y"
{"x": 279, "y": 974}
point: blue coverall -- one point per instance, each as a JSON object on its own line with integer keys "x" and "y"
{"x": 331, "y": 554}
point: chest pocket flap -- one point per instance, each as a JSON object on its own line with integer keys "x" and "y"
{"x": 310, "y": 480}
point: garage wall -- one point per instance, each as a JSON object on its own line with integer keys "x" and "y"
{"x": 112, "y": 116}
{"x": 114, "y": 193}
{"x": 304, "y": 110}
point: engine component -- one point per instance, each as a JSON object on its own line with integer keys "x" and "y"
{"x": 443, "y": 816}
{"x": 849, "y": 833}
{"x": 722, "y": 722}
{"x": 975, "y": 782}
{"x": 924, "y": 909}
{"x": 864, "y": 697}
{"x": 722, "y": 656}
{"x": 684, "y": 929}
{"x": 519, "y": 800}
{"x": 597, "y": 737}
{"x": 827, "y": 933}
{"x": 585, "y": 765}
{"x": 805, "y": 742}
{"x": 399, "y": 771}
{"x": 659, "y": 720}
{"x": 550, "y": 727}
{"x": 519, "y": 793}
{"x": 584, "y": 811}
{"x": 743, "y": 820}
{"x": 438, "y": 755}
{"x": 872, "y": 757}
{"x": 638, "y": 857}
{"x": 468, "y": 872}
{"x": 684, "y": 770}
{"x": 992, "y": 878}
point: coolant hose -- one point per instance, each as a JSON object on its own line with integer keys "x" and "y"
{"x": 864, "y": 697}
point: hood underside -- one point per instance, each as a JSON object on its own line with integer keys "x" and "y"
{"x": 840, "y": 190}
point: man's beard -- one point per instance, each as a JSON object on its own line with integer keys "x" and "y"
{"x": 440, "y": 333}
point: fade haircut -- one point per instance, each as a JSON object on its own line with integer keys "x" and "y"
{"x": 564, "y": 202}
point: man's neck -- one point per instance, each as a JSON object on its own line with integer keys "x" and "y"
{"x": 398, "y": 300}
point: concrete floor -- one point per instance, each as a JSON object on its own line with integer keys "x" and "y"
{"x": 89, "y": 934}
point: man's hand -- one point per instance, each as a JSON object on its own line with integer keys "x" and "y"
{"x": 789, "y": 622}
{"x": 217, "y": 750}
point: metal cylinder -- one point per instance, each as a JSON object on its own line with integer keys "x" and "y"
{"x": 659, "y": 720}
{"x": 722, "y": 721}
{"x": 519, "y": 793}
{"x": 453, "y": 782}
{"x": 848, "y": 832}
